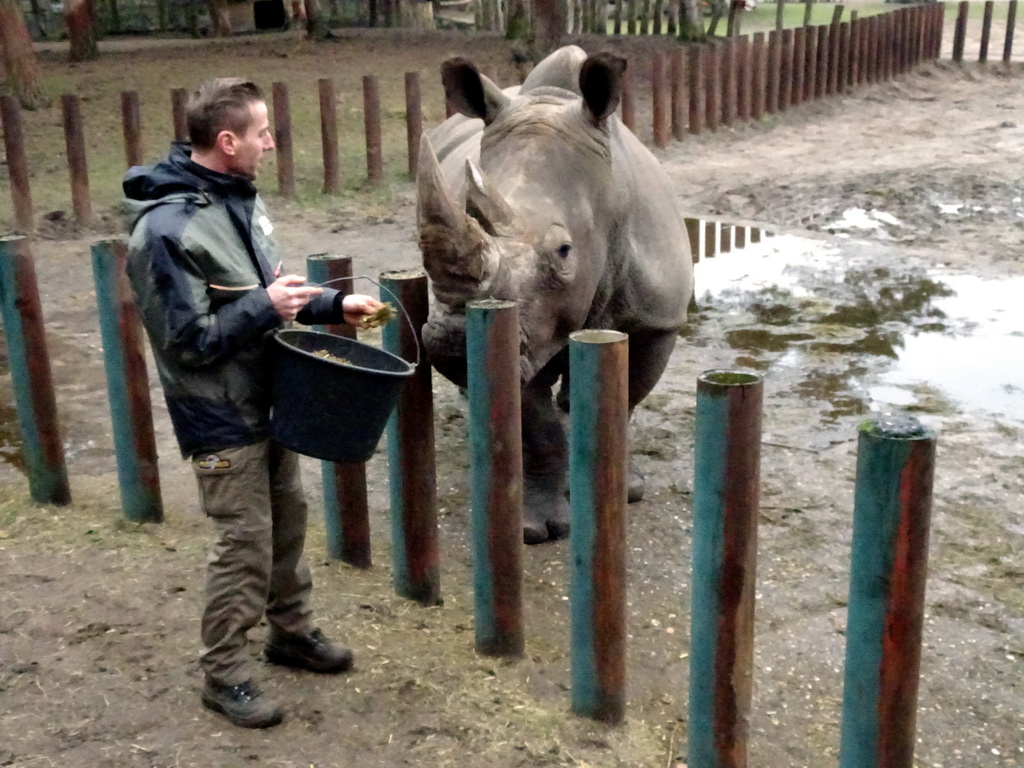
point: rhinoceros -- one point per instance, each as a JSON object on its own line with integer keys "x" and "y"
{"x": 540, "y": 194}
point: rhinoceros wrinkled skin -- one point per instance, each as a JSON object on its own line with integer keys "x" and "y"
{"x": 539, "y": 194}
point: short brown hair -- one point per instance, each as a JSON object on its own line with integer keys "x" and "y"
{"x": 221, "y": 104}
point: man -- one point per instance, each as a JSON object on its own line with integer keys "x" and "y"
{"x": 205, "y": 272}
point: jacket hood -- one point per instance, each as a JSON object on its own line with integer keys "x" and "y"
{"x": 176, "y": 179}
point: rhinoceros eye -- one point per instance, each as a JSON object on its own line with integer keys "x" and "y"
{"x": 564, "y": 250}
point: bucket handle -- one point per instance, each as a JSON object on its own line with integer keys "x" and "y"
{"x": 389, "y": 293}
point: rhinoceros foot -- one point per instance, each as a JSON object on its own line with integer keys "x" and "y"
{"x": 545, "y": 512}
{"x": 636, "y": 483}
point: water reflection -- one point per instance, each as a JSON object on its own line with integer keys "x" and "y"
{"x": 865, "y": 329}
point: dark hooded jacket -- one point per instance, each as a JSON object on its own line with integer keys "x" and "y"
{"x": 200, "y": 258}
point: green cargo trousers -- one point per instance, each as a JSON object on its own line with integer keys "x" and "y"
{"x": 255, "y": 499}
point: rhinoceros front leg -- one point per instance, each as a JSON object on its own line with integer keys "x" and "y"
{"x": 545, "y": 509}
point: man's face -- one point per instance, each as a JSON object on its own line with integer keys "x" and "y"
{"x": 250, "y": 146}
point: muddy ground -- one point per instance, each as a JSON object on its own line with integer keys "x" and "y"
{"x": 99, "y": 618}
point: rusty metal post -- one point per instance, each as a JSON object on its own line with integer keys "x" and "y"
{"x": 773, "y": 72}
{"x": 598, "y": 471}
{"x": 697, "y": 89}
{"x": 729, "y": 81}
{"x": 346, "y": 507}
{"x": 17, "y": 163}
{"x": 727, "y": 459}
{"x": 329, "y": 135}
{"x": 31, "y": 380}
{"x": 179, "y": 118}
{"x": 758, "y": 66}
{"x": 124, "y": 360}
{"x": 283, "y": 140}
{"x": 413, "y": 119}
{"x": 1011, "y": 19}
{"x": 131, "y": 123}
{"x": 371, "y": 122}
{"x": 891, "y": 519}
{"x": 413, "y": 477}
{"x": 659, "y": 101}
{"x": 496, "y": 474}
{"x": 74, "y": 139}
{"x": 680, "y": 102}
{"x": 628, "y": 101}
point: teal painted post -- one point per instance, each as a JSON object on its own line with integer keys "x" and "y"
{"x": 30, "y": 374}
{"x": 413, "y": 475}
{"x": 496, "y": 474}
{"x": 346, "y": 506}
{"x": 124, "y": 359}
{"x": 598, "y": 470}
{"x": 888, "y": 570}
{"x": 727, "y": 459}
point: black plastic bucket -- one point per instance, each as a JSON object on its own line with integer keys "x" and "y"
{"x": 330, "y": 409}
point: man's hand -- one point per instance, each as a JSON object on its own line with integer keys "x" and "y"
{"x": 357, "y": 306}
{"x": 289, "y": 294}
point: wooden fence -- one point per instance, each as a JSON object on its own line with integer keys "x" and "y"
{"x": 696, "y": 88}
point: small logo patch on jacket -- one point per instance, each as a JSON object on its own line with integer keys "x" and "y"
{"x": 213, "y": 461}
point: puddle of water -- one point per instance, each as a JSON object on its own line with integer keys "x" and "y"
{"x": 859, "y": 332}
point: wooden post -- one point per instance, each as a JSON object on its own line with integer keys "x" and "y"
{"x": 803, "y": 75}
{"x": 680, "y": 104}
{"x": 960, "y": 31}
{"x": 728, "y": 80}
{"x": 786, "y": 70}
{"x": 124, "y": 359}
{"x": 179, "y": 117}
{"x": 496, "y": 474}
{"x": 698, "y": 85}
{"x": 889, "y": 566}
{"x": 598, "y": 472}
{"x": 727, "y": 458}
{"x": 986, "y": 31}
{"x": 821, "y": 81}
{"x": 346, "y": 507}
{"x": 713, "y": 80}
{"x": 628, "y": 101}
{"x": 744, "y": 84}
{"x": 283, "y": 141}
{"x": 329, "y": 135}
{"x": 131, "y": 125}
{"x": 660, "y": 101}
{"x": 74, "y": 139}
{"x": 31, "y": 379}
{"x": 17, "y": 163}
{"x": 1011, "y": 18}
{"x": 413, "y": 119}
{"x": 413, "y": 477}
{"x": 772, "y": 73}
{"x": 371, "y": 124}
{"x": 758, "y": 67}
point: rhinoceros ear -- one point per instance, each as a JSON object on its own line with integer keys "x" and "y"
{"x": 601, "y": 84}
{"x": 485, "y": 204}
{"x": 472, "y": 94}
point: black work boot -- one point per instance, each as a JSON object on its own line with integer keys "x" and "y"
{"x": 313, "y": 652}
{"x": 242, "y": 704}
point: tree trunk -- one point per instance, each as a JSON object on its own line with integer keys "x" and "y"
{"x": 416, "y": 14}
{"x": 219, "y": 18}
{"x": 548, "y": 26}
{"x": 19, "y": 59}
{"x": 517, "y": 25}
{"x": 691, "y": 25}
{"x": 78, "y": 16}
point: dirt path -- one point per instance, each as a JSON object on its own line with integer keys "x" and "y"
{"x": 99, "y": 619}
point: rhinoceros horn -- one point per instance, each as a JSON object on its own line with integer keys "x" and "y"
{"x": 485, "y": 204}
{"x": 454, "y": 245}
